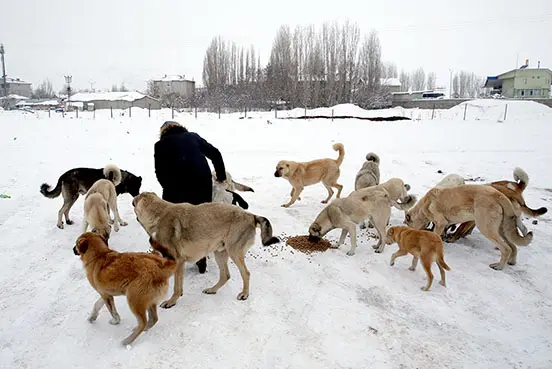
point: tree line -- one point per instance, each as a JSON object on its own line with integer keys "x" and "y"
{"x": 312, "y": 66}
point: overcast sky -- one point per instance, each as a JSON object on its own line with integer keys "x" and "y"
{"x": 109, "y": 42}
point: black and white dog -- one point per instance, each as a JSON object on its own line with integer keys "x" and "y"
{"x": 77, "y": 181}
{"x": 225, "y": 192}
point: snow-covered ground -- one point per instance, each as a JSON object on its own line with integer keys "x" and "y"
{"x": 325, "y": 310}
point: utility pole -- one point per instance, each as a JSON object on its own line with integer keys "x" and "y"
{"x": 450, "y": 84}
{"x": 4, "y": 77}
{"x": 68, "y": 80}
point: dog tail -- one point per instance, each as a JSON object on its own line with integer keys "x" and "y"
{"x": 441, "y": 260}
{"x": 373, "y": 157}
{"x": 238, "y": 200}
{"x": 521, "y": 177}
{"x": 533, "y": 212}
{"x": 45, "y": 189}
{"x": 112, "y": 173}
{"x": 407, "y": 202}
{"x": 266, "y": 231}
{"x": 509, "y": 225}
{"x": 339, "y": 147}
{"x": 242, "y": 187}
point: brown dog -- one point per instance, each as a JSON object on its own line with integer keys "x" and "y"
{"x": 142, "y": 277}
{"x": 491, "y": 210}
{"x": 514, "y": 192}
{"x": 309, "y": 173}
{"x": 421, "y": 244}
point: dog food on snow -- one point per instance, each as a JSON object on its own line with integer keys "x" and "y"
{"x": 302, "y": 243}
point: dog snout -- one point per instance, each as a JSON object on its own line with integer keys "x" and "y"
{"x": 312, "y": 238}
{"x": 276, "y": 174}
{"x": 75, "y": 251}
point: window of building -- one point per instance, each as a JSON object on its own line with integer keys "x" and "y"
{"x": 525, "y": 80}
{"x": 522, "y": 92}
{"x": 531, "y": 92}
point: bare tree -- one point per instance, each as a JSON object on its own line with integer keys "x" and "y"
{"x": 404, "y": 77}
{"x": 114, "y": 88}
{"x": 389, "y": 70}
{"x": 431, "y": 79}
{"x": 418, "y": 79}
{"x": 455, "y": 86}
{"x": 44, "y": 91}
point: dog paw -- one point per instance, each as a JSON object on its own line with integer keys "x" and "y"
{"x": 116, "y": 228}
{"x": 168, "y": 304}
{"x": 69, "y": 222}
{"x": 242, "y": 296}
{"x": 92, "y": 318}
{"x": 209, "y": 291}
{"x": 60, "y": 225}
{"x": 123, "y": 223}
{"x": 495, "y": 266}
{"x": 392, "y": 262}
{"x": 111, "y": 221}
{"x": 379, "y": 250}
{"x": 285, "y": 206}
{"x": 411, "y": 269}
{"x": 362, "y": 226}
{"x": 114, "y": 321}
{"x": 443, "y": 284}
{"x": 127, "y": 341}
{"x": 512, "y": 262}
{"x": 424, "y": 288}
{"x": 350, "y": 253}
{"x": 324, "y": 201}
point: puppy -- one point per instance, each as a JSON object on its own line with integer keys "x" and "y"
{"x": 96, "y": 215}
{"x": 106, "y": 188}
{"x": 225, "y": 196}
{"x": 369, "y": 174}
{"x": 421, "y": 244}
{"x": 232, "y": 185}
{"x": 142, "y": 277}
{"x": 301, "y": 174}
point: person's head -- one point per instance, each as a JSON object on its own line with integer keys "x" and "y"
{"x": 171, "y": 125}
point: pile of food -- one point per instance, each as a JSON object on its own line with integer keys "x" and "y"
{"x": 302, "y": 243}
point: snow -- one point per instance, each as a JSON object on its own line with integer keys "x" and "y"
{"x": 107, "y": 96}
{"x": 14, "y": 97}
{"x": 391, "y": 82}
{"x": 326, "y": 310}
{"x": 171, "y": 78}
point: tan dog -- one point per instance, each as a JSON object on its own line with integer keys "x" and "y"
{"x": 191, "y": 232}
{"x": 106, "y": 188}
{"x": 514, "y": 192}
{"x": 96, "y": 215}
{"x": 373, "y": 202}
{"x": 421, "y": 244}
{"x": 491, "y": 210}
{"x": 309, "y": 173}
{"x": 143, "y": 278}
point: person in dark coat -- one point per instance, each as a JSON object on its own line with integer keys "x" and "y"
{"x": 182, "y": 170}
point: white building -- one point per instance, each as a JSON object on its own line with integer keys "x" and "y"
{"x": 175, "y": 84}
{"x": 15, "y": 86}
{"x": 115, "y": 100}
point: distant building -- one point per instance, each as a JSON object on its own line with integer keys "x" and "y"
{"x": 173, "y": 85}
{"x": 417, "y": 95}
{"x": 10, "y": 101}
{"x": 38, "y": 104}
{"x": 115, "y": 100}
{"x": 15, "y": 86}
{"x": 521, "y": 83}
{"x": 393, "y": 84}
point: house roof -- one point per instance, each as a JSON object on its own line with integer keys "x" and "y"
{"x": 16, "y": 81}
{"x": 390, "y": 82}
{"x": 172, "y": 78}
{"x": 107, "y": 96}
{"x": 14, "y": 97}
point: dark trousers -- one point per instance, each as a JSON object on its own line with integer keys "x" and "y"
{"x": 195, "y": 196}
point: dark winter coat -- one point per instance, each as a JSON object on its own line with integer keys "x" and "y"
{"x": 181, "y": 166}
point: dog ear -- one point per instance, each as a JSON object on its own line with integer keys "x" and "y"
{"x": 82, "y": 245}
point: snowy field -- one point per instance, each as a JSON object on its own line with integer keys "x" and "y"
{"x": 325, "y": 310}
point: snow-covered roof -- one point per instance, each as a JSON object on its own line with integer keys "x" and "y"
{"x": 16, "y": 81}
{"x": 107, "y": 96}
{"x": 13, "y": 97}
{"x": 38, "y": 103}
{"x": 172, "y": 78}
{"x": 390, "y": 82}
